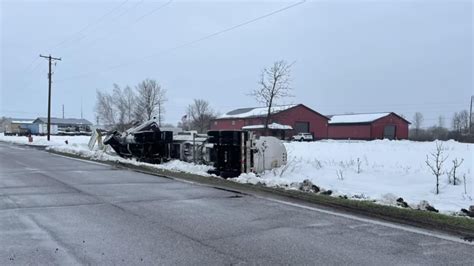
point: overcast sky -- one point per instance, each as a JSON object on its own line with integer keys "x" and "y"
{"x": 350, "y": 56}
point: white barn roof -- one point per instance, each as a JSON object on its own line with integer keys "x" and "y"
{"x": 22, "y": 121}
{"x": 270, "y": 126}
{"x": 356, "y": 118}
{"x": 255, "y": 112}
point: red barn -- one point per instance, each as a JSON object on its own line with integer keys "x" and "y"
{"x": 368, "y": 126}
{"x": 285, "y": 121}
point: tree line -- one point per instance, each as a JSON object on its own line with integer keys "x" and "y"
{"x": 125, "y": 107}
{"x": 458, "y": 129}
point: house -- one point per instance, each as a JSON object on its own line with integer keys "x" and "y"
{"x": 42, "y": 129}
{"x": 67, "y": 125}
{"x": 17, "y": 126}
{"x": 285, "y": 121}
{"x": 369, "y": 126}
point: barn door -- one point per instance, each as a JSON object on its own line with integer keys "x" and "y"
{"x": 389, "y": 132}
{"x": 302, "y": 127}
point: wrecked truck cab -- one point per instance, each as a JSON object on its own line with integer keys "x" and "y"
{"x": 146, "y": 143}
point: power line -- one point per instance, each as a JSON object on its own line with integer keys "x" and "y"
{"x": 435, "y": 104}
{"x": 33, "y": 71}
{"x": 30, "y": 64}
{"x": 99, "y": 20}
{"x": 113, "y": 19}
{"x": 128, "y": 10}
{"x": 109, "y": 33}
{"x": 152, "y": 11}
{"x": 27, "y": 70}
{"x": 189, "y": 43}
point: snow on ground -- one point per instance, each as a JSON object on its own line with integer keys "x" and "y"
{"x": 42, "y": 140}
{"x": 387, "y": 169}
{"x": 78, "y": 145}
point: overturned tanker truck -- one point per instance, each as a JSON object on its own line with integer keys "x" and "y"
{"x": 146, "y": 143}
{"x": 231, "y": 153}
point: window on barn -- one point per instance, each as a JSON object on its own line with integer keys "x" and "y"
{"x": 233, "y": 122}
{"x": 389, "y": 132}
{"x": 215, "y": 123}
{"x": 302, "y": 127}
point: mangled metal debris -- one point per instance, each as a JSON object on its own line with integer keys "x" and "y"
{"x": 146, "y": 143}
{"x": 231, "y": 153}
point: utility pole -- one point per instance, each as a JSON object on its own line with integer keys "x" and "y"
{"x": 81, "y": 107}
{"x": 50, "y": 59}
{"x": 63, "y": 111}
{"x": 470, "y": 116}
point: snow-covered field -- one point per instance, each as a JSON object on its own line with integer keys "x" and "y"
{"x": 379, "y": 170}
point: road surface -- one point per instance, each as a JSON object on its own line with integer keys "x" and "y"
{"x": 56, "y": 210}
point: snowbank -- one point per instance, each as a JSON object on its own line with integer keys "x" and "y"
{"x": 43, "y": 141}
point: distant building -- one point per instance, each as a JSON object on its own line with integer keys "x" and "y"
{"x": 285, "y": 121}
{"x": 288, "y": 120}
{"x": 42, "y": 129}
{"x": 370, "y": 126}
{"x": 67, "y": 125}
{"x": 17, "y": 126}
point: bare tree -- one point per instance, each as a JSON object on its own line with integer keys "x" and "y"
{"x": 129, "y": 102}
{"x": 441, "y": 121}
{"x": 200, "y": 115}
{"x": 149, "y": 96}
{"x": 435, "y": 162}
{"x": 124, "y": 103}
{"x": 417, "y": 122}
{"x": 464, "y": 120}
{"x": 453, "y": 171}
{"x": 274, "y": 84}
{"x": 460, "y": 121}
{"x": 104, "y": 108}
{"x": 161, "y": 106}
{"x": 456, "y": 122}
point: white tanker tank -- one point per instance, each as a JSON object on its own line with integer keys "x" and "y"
{"x": 269, "y": 153}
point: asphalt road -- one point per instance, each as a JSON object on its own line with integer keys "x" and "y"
{"x": 56, "y": 210}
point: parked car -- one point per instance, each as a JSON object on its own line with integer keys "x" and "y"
{"x": 303, "y": 137}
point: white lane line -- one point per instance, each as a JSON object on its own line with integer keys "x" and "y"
{"x": 386, "y": 224}
{"x": 22, "y": 164}
{"x": 81, "y": 160}
{"x": 17, "y": 148}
